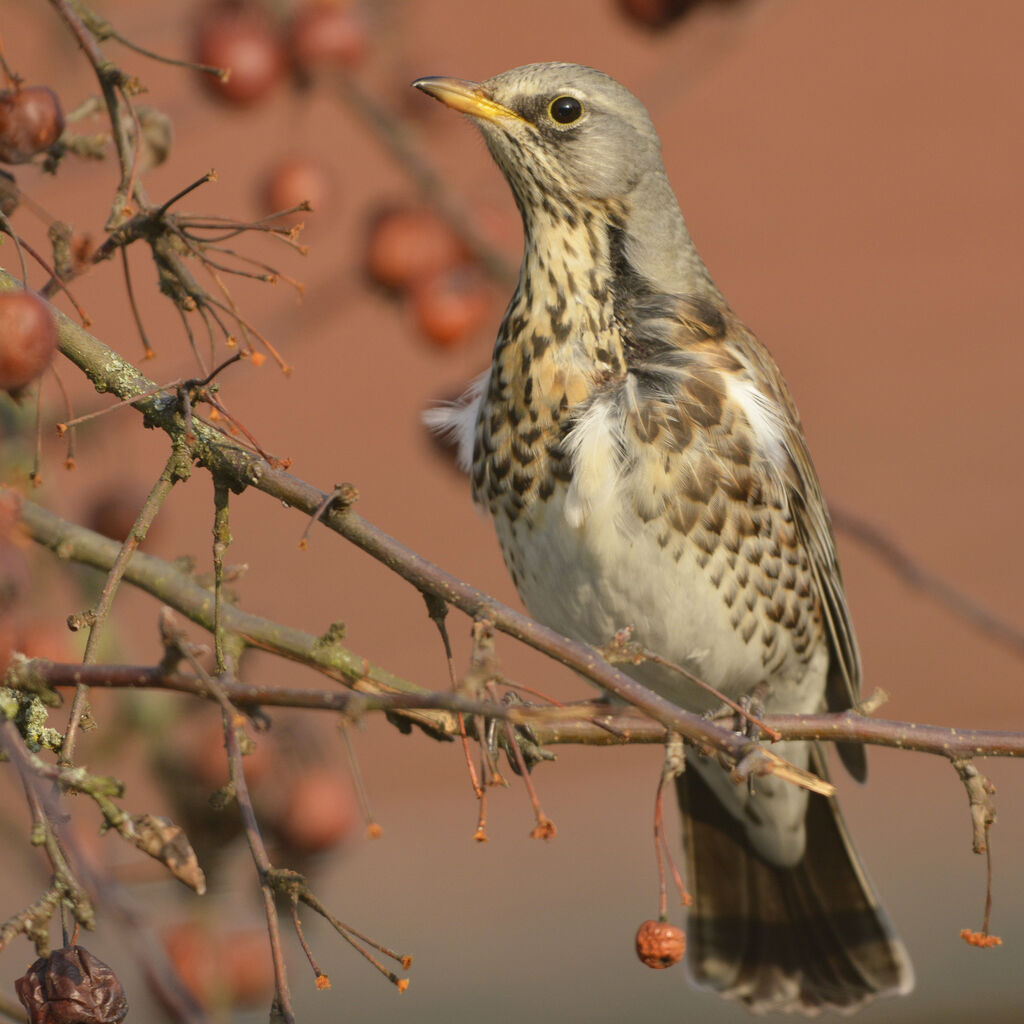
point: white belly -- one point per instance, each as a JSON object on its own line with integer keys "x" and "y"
{"x": 592, "y": 579}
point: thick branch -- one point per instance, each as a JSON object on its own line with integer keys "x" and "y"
{"x": 590, "y": 723}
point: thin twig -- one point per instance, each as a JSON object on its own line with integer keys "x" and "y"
{"x": 174, "y": 470}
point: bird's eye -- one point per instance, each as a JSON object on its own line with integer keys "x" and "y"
{"x": 565, "y": 109}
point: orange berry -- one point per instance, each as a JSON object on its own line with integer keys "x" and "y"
{"x": 407, "y": 245}
{"x": 320, "y": 812}
{"x": 660, "y": 944}
{"x": 293, "y": 181}
{"x": 451, "y": 304}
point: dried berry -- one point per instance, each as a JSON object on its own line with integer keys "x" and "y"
{"x": 31, "y": 121}
{"x": 660, "y": 944}
{"x": 28, "y": 339}
{"x": 71, "y": 986}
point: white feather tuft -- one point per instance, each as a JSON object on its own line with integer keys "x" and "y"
{"x": 455, "y": 422}
{"x": 764, "y": 417}
{"x": 593, "y": 443}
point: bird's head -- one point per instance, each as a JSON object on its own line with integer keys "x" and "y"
{"x": 562, "y": 131}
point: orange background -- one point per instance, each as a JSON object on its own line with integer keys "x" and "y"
{"x": 851, "y": 173}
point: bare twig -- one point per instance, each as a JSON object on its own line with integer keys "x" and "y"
{"x": 177, "y": 468}
{"x": 38, "y": 674}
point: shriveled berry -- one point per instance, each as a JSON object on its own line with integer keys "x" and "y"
{"x": 28, "y": 339}
{"x": 31, "y": 121}
{"x": 660, "y": 944}
{"x": 71, "y": 986}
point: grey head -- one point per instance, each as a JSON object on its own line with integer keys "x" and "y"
{"x": 560, "y": 128}
{"x": 571, "y": 138}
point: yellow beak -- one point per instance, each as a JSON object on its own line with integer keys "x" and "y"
{"x": 465, "y": 97}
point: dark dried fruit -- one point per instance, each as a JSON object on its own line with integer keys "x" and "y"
{"x": 31, "y": 121}
{"x": 28, "y": 339}
{"x": 71, "y": 986}
{"x": 660, "y": 944}
{"x": 240, "y": 38}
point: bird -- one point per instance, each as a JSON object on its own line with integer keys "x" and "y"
{"x": 644, "y": 465}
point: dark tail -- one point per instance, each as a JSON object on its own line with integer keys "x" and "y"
{"x": 801, "y": 939}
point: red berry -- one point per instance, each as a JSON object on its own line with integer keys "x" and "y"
{"x": 28, "y": 339}
{"x": 240, "y": 38}
{"x": 660, "y": 944}
{"x": 408, "y": 245}
{"x": 449, "y": 305}
{"x": 31, "y": 121}
{"x": 327, "y": 32}
{"x": 293, "y": 181}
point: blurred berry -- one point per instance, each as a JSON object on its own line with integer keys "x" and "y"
{"x": 240, "y": 37}
{"x": 28, "y": 339}
{"x": 451, "y": 304}
{"x": 327, "y": 33}
{"x": 292, "y": 181}
{"x": 407, "y": 245}
{"x": 221, "y": 967}
{"x": 31, "y": 121}
{"x": 320, "y": 812}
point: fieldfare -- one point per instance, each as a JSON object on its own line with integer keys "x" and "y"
{"x": 644, "y": 465}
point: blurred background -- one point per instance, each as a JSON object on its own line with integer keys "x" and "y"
{"x": 851, "y": 174}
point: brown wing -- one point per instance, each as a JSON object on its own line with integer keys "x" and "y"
{"x": 811, "y": 517}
